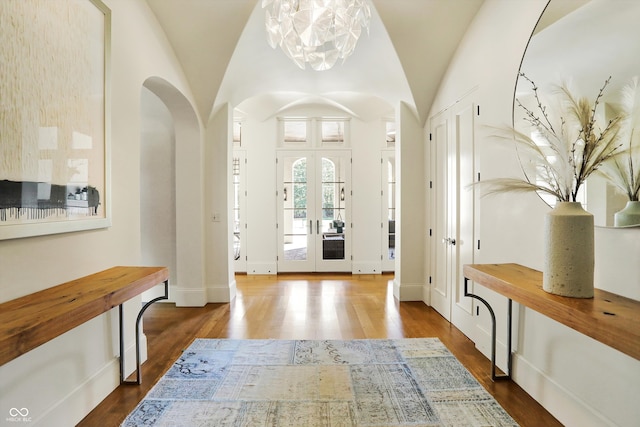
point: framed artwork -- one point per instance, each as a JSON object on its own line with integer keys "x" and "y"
{"x": 54, "y": 117}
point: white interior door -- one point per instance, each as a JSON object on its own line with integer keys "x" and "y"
{"x": 453, "y": 213}
{"x": 314, "y": 206}
{"x": 464, "y": 116}
{"x": 440, "y": 209}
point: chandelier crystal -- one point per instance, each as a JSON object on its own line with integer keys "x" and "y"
{"x": 317, "y": 32}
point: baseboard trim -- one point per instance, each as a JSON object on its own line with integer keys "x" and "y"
{"x": 569, "y": 409}
{"x": 262, "y": 268}
{"x": 408, "y": 291}
{"x": 221, "y": 292}
{"x": 72, "y": 408}
{"x": 366, "y": 268}
{"x": 189, "y": 297}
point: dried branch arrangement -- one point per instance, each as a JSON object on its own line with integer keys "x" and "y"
{"x": 570, "y": 144}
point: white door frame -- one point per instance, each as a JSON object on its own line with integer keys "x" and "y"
{"x": 319, "y": 238}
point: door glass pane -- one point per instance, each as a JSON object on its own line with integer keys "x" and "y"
{"x": 236, "y": 208}
{"x": 296, "y": 222}
{"x": 333, "y": 207}
{"x": 391, "y": 203}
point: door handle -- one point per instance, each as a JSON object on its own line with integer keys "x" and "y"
{"x": 449, "y": 241}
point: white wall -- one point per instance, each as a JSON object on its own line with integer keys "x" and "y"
{"x": 220, "y": 282}
{"x": 580, "y": 381}
{"x": 61, "y": 381}
{"x": 157, "y": 187}
{"x": 411, "y": 233}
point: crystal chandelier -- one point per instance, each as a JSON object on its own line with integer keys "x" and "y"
{"x": 318, "y": 32}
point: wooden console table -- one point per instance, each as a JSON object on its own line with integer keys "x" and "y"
{"x": 32, "y": 320}
{"x": 609, "y": 318}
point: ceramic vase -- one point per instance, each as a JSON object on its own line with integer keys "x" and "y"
{"x": 630, "y": 215}
{"x": 569, "y": 251}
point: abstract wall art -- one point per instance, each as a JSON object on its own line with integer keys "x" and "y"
{"x": 54, "y": 117}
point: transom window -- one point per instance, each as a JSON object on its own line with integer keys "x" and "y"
{"x": 310, "y": 132}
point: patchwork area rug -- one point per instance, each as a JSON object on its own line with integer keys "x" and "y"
{"x": 405, "y": 382}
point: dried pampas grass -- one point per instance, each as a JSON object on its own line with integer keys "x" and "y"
{"x": 623, "y": 169}
{"x": 570, "y": 144}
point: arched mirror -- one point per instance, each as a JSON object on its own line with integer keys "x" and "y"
{"x": 583, "y": 43}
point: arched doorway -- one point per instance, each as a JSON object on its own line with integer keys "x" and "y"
{"x": 168, "y": 117}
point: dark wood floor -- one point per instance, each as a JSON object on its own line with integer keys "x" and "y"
{"x": 306, "y": 306}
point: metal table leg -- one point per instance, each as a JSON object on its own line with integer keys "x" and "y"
{"x": 495, "y": 377}
{"x": 121, "y": 318}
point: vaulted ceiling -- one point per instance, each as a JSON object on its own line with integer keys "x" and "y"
{"x": 222, "y": 47}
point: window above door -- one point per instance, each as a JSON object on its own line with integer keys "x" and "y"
{"x": 313, "y": 132}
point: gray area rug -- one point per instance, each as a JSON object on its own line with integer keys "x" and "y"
{"x": 404, "y": 382}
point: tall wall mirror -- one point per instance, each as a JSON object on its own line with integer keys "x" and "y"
{"x": 582, "y": 43}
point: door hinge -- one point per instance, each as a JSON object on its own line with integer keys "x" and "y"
{"x": 430, "y": 232}
{"x": 478, "y": 110}
{"x": 430, "y": 136}
{"x": 431, "y": 184}
{"x": 478, "y": 176}
{"x": 478, "y": 244}
{"x": 429, "y": 279}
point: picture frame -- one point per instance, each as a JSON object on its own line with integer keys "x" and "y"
{"x": 54, "y": 117}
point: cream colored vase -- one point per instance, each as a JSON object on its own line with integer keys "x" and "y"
{"x": 569, "y": 251}
{"x": 630, "y": 215}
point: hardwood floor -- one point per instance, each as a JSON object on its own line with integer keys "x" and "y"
{"x": 306, "y": 306}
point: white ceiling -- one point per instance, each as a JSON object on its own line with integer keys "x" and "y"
{"x": 224, "y": 54}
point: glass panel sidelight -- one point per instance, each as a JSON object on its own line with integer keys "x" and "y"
{"x": 391, "y": 208}
{"x": 238, "y": 211}
{"x": 333, "y": 208}
{"x": 236, "y": 208}
{"x": 295, "y": 208}
{"x": 388, "y": 213}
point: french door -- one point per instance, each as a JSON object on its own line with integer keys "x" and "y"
{"x": 314, "y": 204}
